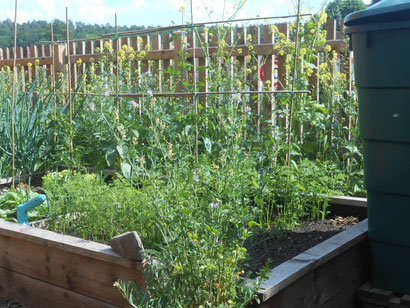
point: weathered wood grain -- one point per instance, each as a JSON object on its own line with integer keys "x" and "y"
{"x": 81, "y": 266}
{"x": 34, "y": 293}
{"x": 315, "y": 277}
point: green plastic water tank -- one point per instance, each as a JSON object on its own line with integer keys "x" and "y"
{"x": 380, "y": 37}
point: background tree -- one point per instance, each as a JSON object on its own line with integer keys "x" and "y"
{"x": 32, "y": 32}
{"x": 338, "y": 9}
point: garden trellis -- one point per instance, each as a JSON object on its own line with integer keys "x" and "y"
{"x": 77, "y": 55}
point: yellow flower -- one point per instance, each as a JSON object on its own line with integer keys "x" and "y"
{"x": 29, "y": 64}
{"x": 37, "y": 62}
{"x": 328, "y": 47}
{"x": 323, "y": 66}
{"x": 142, "y": 54}
{"x": 107, "y": 45}
{"x": 177, "y": 269}
{"x": 249, "y": 37}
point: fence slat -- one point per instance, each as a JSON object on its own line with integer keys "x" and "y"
{"x": 268, "y": 73}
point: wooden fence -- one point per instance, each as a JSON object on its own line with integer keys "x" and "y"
{"x": 163, "y": 52}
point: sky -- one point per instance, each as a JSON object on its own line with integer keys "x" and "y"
{"x": 149, "y": 12}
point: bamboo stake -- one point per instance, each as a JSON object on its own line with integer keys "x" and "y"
{"x": 188, "y": 94}
{"x": 53, "y": 82}
{"x": 117, "y": 108}
{"x": 13, "y": 99}
{"x": 293, "y": 84}
{"x": 175, "y": 27}
{"x": 195, "y": 98}
{"x": 69, "y": 86}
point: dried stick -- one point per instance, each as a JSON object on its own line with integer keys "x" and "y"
{"x": 117, "y": 108}
{"x": 175, "y": 27}
{"x": 13, "y": 99}
{"x": 188, "y": 94}
{"x": 53, "y": 82}
{"x": 69, "y": 86}
{"x": 195, "y": 98}
{"x": 288, "y": 159}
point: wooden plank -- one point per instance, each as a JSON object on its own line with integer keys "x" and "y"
{"x": 346, "y": 297}
{"x": 66, "y": 243}
{"x": 318, "y": 286}
{"x": 352, "y": 201}
{"x": 254, "y": 82}
{"x": 166, "y": 61}
{"x": 31, "y": 292}
{"x": 368, "y": 291}
{"x": 283, "y": 275}
{"x": 146, "y": 45}
{"x": 269, "y": 100}
{"x": 157, "y": 65}
{"x": 330, "y": 28}
{"x": 82, "y": 274}
{"x": 179, "y": 45}
{"x": 24, "y": 62}
{"x": 203, "y": 71}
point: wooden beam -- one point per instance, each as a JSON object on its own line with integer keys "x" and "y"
{"x": 81, "y": 266}
{"x": 289, "y": 272}
{"x": 66, "y": 243}
{"x": 32, "y": 292}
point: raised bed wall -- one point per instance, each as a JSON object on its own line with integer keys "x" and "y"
{"x": 327, "y": 275}
{"x": 39, "y": 268}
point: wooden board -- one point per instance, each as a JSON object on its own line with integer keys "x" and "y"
{"x": 77, "y": 265}
{"x": 371, "y": 297}
{"x": 34, "y": 293}
{"x": 319, "y": 287}
{"x": 314, "y": 277}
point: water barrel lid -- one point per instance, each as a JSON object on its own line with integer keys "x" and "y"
{"x": 384, "y": 15}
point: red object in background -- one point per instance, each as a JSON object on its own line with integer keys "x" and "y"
{"x": 275, "y": 73}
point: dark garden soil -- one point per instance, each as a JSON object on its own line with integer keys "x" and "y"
{"x": 282, "y": 246}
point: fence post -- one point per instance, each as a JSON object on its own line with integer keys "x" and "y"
{"x": 283, "y": 73}
{"x": 268, "y": 77}
{"x": 331, "y": 28}
{"x": 59, "y": 59}
{"x": 179, "y": 46}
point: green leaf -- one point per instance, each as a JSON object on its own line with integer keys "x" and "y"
{"x": 208, "y": 144}
{"x": 120, "y": 151}
{"x": 126, "y": 170}
{"x": 252, "y": 224}
{"x": 188, "y": 130}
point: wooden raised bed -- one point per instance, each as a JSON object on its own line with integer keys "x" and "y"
{"x": 40, "y": 268}
{"x": 327, "y": 275}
